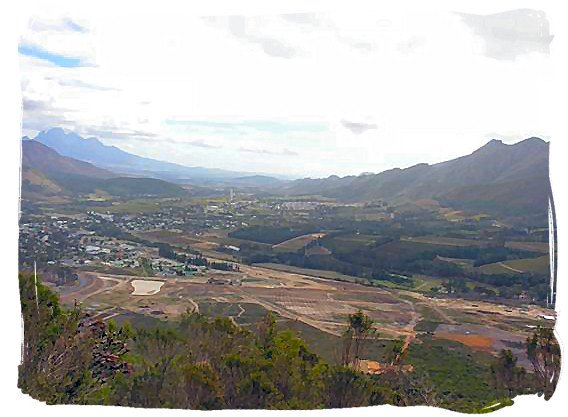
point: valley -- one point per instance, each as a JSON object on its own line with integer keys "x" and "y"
{"x": 435, "y": 277}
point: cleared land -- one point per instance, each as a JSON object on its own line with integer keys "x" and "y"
{"x": 146, "y": 287}
{"x": 315, "y": 306}
{"x": 319, "y": 273}
{"x": 483, "y": 338}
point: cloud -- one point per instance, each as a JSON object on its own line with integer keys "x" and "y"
{"x": 512, "y": 137}
{"x": 322, "y": 23}
{"x": 239, "y": 27}
{"x": 290, "y": 35}
{"x": 83, "y": 84}
{"x": 283, "y": 152}
{"x": 115, "y": 133}
{"x": 35, "y": 105}
{"x": 275, "y": 48}
{"x": 309, "y": 19}
{"x": 200, "y": 143}
{"x": 273, "y": 126}
{"x": 357, "y": 127}
{"x": 39, "y": 115}
{"x": 411, "y": 45}
{"x": 63, "y": 24}
{"x": 510, "y": 34}
{"x": 224, "y": 88}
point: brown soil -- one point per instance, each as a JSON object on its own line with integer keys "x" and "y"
{"x": 471, "y": 340}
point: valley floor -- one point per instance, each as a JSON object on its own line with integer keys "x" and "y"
{"x": 319, "y": 304}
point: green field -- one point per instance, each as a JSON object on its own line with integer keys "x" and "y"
{"x": 540, "y": 265}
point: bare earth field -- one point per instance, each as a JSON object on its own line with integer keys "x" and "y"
{"x": 320, "y": 303}
{"x": 482, "y": 338}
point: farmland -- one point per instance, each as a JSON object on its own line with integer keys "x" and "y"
{"x": 518, "y": 266}
{"x": 297, "y": 243}
{"x": 422, "y": 280}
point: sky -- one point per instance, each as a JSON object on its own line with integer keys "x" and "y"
{"x": 301, "y": 95}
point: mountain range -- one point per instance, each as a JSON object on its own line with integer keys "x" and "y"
{"x": 92, "y": 150}
{"x": 501, "y": 179}
{"x": 498, "y": 178}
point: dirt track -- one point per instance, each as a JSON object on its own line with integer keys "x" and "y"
{"x": 318, "y": 302}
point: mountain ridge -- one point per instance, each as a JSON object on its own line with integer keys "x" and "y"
{"x": 45, "y": 172}
{"x": 110, "y": 157}
{"x": 38, "y": 156}
{"x": 472, "y": 176}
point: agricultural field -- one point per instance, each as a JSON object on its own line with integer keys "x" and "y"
{"x": 444, "y": 241}
{"x": 271, "y": 234}
{"x": 541, "y": 247}
{"x": 540, "y": 265}
{"x": 464, "y": 263}
{"x": 297, "y": 243}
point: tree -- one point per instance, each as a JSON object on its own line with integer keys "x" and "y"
{"x": 543, "y": 351}
{"x": 410, "y": 388}
{"x": 359, "y": 330}
{"x": 345, "y": 387}
{"x": 67, "y": 357}
{"x": 508, "y": 377}
{"x": 166, "y": 251}
{"x": 395, "y": 352}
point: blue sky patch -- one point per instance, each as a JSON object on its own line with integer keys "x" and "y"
{"x": 59, "y": 60}
{"x": 74, "y": 26}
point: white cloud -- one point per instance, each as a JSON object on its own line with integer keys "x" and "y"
{"x": 398, "y": 75}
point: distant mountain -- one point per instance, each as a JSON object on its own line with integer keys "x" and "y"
{"x": 110, "y": 157}
{"x": 256, "y": 181}
{"x": 47, "y": 173}
{"x": 498, "y": 178}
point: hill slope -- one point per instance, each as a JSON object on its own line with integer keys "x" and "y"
{"x": 46, "y": 172}
{"x": 499, "y": 178}
{"x": 40, "y": 157}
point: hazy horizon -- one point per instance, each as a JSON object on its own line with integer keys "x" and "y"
{"x": 287, "y": 176}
